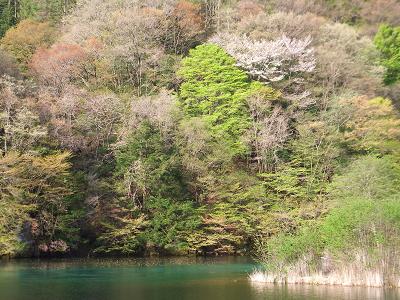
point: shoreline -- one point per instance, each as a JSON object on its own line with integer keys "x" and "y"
{"x": 347, "y": 279}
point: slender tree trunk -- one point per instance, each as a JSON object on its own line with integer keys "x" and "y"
{"x": 8, "y": 123}
{"x": 15, "y": 9}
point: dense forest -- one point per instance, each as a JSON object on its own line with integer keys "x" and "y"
{"x": 205, "y": 127}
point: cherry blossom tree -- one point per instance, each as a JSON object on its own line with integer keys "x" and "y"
{"x": 270, "y": 61}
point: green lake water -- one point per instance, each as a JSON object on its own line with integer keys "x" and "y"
{"x": 150, "y": 279}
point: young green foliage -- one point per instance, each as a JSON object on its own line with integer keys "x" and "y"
{"x": 387, "y": 40}
{"x": 216, "y": 90}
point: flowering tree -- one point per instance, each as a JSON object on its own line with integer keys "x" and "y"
{"x": 270, "y": 61}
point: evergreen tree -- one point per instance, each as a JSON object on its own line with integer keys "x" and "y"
{"x": 215, "y": 89}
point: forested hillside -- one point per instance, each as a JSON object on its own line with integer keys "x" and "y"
{"x": 207, "y": 127}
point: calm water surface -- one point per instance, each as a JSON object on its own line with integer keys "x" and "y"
{"x": 150, "y": 279}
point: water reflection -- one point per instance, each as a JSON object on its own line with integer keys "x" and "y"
{"x": 158, "y": 278}
{"x": 300, "y": 291}
{"x": 120, "y": 262}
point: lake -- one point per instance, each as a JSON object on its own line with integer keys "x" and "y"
{"x": 172, "y": 279}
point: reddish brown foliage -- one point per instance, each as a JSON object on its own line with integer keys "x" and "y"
{"x": 184, "y": 27}
{"x": 248, "y": 8}
{"x": 59, "y": 64}
{"x": 22, "y": 40}
{"x": 188, "y": 16}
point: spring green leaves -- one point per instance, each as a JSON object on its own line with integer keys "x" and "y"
{"x": 387, "y": 40}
